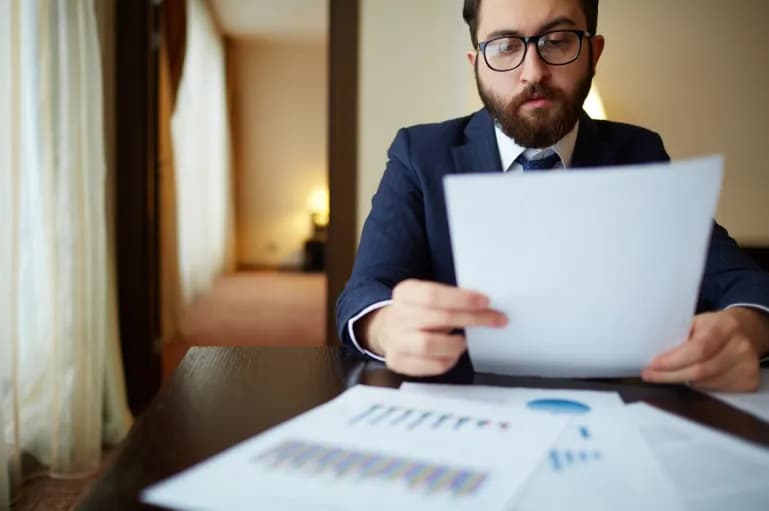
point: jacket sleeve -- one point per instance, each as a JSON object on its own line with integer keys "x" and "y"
{"x": 731, "y": 277}
{"x": 393, "y": 244}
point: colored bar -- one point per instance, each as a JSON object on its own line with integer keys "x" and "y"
{"x": 440, "y": 420}
{"x": 419, "y": 420}
{"x": 424, "y": 476}
{"x": 329, "y": 459}
{"x": 371, "y": 409}
{"x": 378, "y": 419}
{"x": 350, "y": 463}
{"x": 472, "y": 484}
{"x": 308, "y": 455}
{"x": 461, "y": 422}
{"x": 402, "y": 417}
{"x": 435, "y": 477}
{"x": 279, "y": 451}
{"x": 459, "y": 480}
{"x": 555, "y": 462}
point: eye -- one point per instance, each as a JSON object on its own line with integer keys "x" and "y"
{"x": 554, "y": 41}
{"x": 507, "y": 46}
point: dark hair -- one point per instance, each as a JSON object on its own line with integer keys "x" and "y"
{"x": 470, "y": 14}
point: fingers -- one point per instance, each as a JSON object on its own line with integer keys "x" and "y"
{"x": 438, "y": 296}
{"x": 413, "y": 330}
{"x": 425, "y": 353}
{"x": 448, "y": 319}
{"x": 719, "y": 355}
{"x": 706, "y": 339}
{"x": 432, "y": 345}
{"x": 692, "y": 373}
{"x": 742, "y": 377}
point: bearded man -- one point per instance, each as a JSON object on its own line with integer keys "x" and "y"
{"x": 534, "y": 61}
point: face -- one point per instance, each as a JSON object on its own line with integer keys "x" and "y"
{"x": 536, "y": 104}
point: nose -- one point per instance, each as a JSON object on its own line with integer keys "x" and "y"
{"x": 533, "y": 68}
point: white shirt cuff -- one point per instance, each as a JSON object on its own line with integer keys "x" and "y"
{"x": 751, "y": 305}
{"x": 351, "y": 329}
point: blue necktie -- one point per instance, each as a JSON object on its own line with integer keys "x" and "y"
{"x": 546, "y": 163}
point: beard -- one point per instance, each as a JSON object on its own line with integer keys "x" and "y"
{"x": 540, "y": 128}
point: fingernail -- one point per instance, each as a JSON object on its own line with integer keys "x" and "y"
{"x": 501, "y": 320}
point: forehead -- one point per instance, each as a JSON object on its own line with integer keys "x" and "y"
{"x": 527, "y": 16}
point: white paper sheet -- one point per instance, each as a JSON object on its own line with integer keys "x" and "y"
{"x": 600, "y": 462}
{"x": 712, "y": 471}
{"x": 597, "y": 270}
{"x": 756, "y": 403}
{"x": 373, "y": 448}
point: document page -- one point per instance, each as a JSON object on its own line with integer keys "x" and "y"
{"x": 374, "y": 448}
{"x": 711, "y": 470}
{"x": 598, "y": 270}
{"x": 600, "y": 461}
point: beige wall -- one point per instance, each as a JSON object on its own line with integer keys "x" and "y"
{"x": 412, "y": 70}
{"x": 279, "y": 100}
{"x": 693, "y": 70}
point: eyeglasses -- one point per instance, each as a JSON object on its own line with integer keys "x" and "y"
{"x": 557, "y": 48}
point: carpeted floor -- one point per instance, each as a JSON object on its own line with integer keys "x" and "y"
{"x": 266, "y": 308}
{"x": 242, "y": 309}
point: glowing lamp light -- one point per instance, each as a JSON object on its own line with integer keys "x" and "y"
{"x": 593, "y": 104}
{"x": 317, "y": 203}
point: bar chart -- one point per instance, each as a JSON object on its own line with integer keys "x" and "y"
{"x": 353, "y": 466}
{"x": 409, "y": 419}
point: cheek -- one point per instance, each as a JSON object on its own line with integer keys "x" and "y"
{"x": 500, "y": 84}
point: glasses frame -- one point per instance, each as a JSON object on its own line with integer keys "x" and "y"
{"x": 533, "y": 39}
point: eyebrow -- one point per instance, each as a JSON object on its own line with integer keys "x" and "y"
{"x": 557, "y": 22}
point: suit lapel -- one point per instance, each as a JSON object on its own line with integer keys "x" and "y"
{"x": 589, "y": 150}
{"x": 479, "y": 152}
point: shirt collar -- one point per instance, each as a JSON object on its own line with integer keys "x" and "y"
{"x": 509, "y": 150}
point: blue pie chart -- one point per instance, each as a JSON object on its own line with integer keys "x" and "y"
{"x": 560, "y": 406}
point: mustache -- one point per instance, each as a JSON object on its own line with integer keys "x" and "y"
{"x": 535, "y": 91}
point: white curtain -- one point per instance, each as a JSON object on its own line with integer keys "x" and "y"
{"x": 59, "y": 340}
{"x": 201, "y": 150}
{"x": 9, "y": 441}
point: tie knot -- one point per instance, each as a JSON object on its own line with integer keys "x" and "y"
{"x": 546, "y": 163}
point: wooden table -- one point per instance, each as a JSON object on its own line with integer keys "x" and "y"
{"x": 220, "y": 396}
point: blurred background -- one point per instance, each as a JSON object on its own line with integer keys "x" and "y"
{"x": 231, "y": 149}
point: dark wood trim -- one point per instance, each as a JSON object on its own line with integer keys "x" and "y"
{"x": 342, "y": 150}
{"x": 136, "y": 182}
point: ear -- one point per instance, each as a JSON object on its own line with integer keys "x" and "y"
{"x": 471, "y": 56}
{"x": 597, "y": 43}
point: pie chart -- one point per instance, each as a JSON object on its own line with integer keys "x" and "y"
{"x": 559, "y": 406}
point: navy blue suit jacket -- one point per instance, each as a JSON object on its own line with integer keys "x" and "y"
{"x": 406, "y": 234}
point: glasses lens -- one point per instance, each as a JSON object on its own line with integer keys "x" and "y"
{"x": 559, "y": 47}
{"x": 504, "y": 53}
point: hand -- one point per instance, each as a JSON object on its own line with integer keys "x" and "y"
{"x": 413, "y": 333}
{"x": 722, "y": 352}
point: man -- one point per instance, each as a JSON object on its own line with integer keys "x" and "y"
{"x": 534, "y": 61}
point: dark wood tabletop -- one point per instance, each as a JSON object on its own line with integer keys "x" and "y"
{"x": 221, "y": 396}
